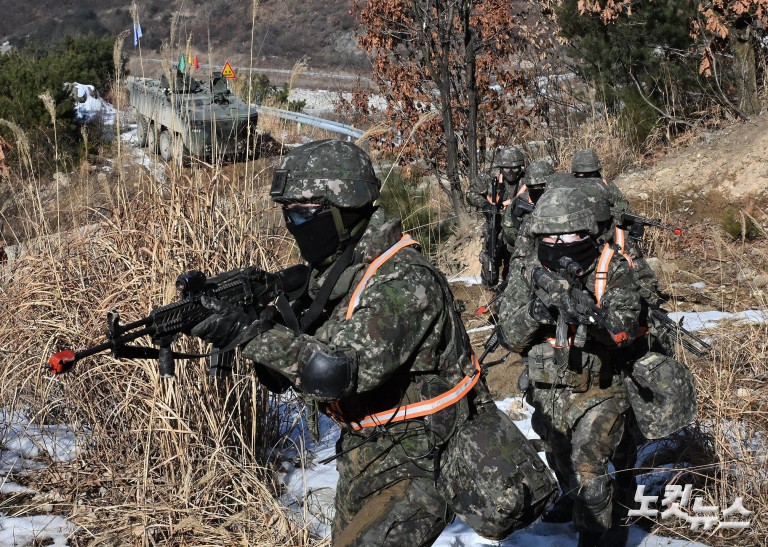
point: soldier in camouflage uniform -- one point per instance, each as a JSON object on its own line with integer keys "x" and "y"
{"x": 382, "y": 350}
{"x": 507, "y": 169}
{"x": 530, "y": 190}
{"x": 580, "y": 401}
{"x": 586, "y": 165}
{"x": 601, "y": 198}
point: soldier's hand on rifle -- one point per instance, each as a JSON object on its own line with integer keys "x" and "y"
{"x": 539, "y": 311}
{"x": 573, "y": 312}
{"x": 226, "y": 324}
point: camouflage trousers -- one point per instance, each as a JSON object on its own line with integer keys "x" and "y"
{"x": 583, "y": 433}
{"x": 389, "y": 492}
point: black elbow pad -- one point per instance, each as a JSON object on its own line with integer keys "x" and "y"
{"x": 325, "y": 375}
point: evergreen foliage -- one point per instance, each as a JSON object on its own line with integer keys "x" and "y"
{"x": 27, "y": 74}
{"x": 643, "y": 64}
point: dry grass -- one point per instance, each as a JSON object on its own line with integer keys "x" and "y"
{"x": 178, "y": 461}
{"x": 725, "y": 451}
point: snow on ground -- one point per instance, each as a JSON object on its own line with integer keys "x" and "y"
{"x": 320, "y": 101}
{"x": 89, "y": 106}
{"x": 22, "y": 446}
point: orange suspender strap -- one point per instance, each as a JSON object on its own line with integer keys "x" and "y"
{"x": 601, "y": 283}
{"x": 601, "y": 272}
{"x": 414, "y": 410}
{"x": 405, "y": 241}
{"x": 620, "y": 237}
{"x": 423, "y": 408}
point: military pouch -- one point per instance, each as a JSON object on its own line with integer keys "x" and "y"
{"x": 543, "y": 368}
{"x": 662, "y": 395}
{"x": 492, "y": 476}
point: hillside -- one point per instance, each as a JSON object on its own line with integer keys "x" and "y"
{"x": 284, "y": 31}
{"x": 147, "y": 222}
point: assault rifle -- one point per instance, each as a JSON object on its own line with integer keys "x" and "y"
{"x": 490, "y": 267}
{"x": 251, "y": 289}
{"x": 573, "y": 304}
{"x": 636, "y": 224}
{"x": 522, "y": 207}
{"x": 687, "y": 339}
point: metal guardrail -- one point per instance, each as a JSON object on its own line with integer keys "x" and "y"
{"x": 314, "y": 121}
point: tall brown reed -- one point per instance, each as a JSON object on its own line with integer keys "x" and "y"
{"x": 178, "y": 461}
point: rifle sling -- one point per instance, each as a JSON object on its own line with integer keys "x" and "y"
{"x": 345, "y": 260}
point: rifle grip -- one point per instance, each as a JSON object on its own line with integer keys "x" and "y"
{"x": 165, "y": 363}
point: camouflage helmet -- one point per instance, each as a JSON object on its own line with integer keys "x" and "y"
{"x": 509, "y": 157}
{"x": 585, "y": 161}
{"x": 537, "y": 173}
{"x": 594, "y": 189}
{"x": 563, "y": 211}
{"x": 327, "y": 171}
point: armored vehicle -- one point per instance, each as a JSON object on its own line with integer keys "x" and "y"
{"x": 189, "y": 117}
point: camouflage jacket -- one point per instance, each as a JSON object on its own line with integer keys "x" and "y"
{"x": 514, "y": 217}
{"x": 621, "y": 301}
{"x": 480, "y": 189}
{"x": 403, "y": 333}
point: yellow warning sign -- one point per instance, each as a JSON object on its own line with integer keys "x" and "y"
{"x": 227, "y": 71}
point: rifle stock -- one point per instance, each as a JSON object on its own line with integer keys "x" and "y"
{"x": 252, "y": 289}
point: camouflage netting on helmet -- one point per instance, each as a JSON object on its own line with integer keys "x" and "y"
{"x": 537, "y": 173}
{"x": 509, "y": 157}
{"x": 595, "y": 190}
{"x": 585, "y": 161}
{"x": 563, "y": 211}
{"x": 326, "y": 171}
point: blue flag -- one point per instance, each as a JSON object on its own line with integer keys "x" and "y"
{"x": 136, "y": 33}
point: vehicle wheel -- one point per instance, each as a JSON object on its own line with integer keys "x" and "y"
{"x": 165, "y": 142}
{"x": 180, "y": 152}
{"x": 152, "y": 138}
{"x": 141, "y": 130}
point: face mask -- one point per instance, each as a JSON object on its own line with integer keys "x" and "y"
{"x": 315, "y": 230}
{"x": 316, "y": 237}
{"x": 511, "y": 175}
{"x": 535, "y": 193}
{"x": 584, "y": 252}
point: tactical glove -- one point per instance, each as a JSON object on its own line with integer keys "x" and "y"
{"x": 539, "y": 312}
{"x": 228, "y": 324}
{"x": 573, "y": 313}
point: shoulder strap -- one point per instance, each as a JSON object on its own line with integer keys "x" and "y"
{"x": 405, "y": 241}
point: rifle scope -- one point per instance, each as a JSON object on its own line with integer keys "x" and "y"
{"x": 571, "y": 267}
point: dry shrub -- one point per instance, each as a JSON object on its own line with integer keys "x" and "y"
{"x": 725, "y": 451}
{"x": 179, "y": 461}
{"x": 732, "y": 393}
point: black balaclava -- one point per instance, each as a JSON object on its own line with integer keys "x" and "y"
{"x": 514, "y": 175}
{"x": 535, "y": 192}
{"x": 319, "y": 238}
{"x": 584, "y": 252}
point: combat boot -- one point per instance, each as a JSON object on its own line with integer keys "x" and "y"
{"x": 590, "y": 539}
{"x": 560, "y": 511}
{"x": 616, "y": 536}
